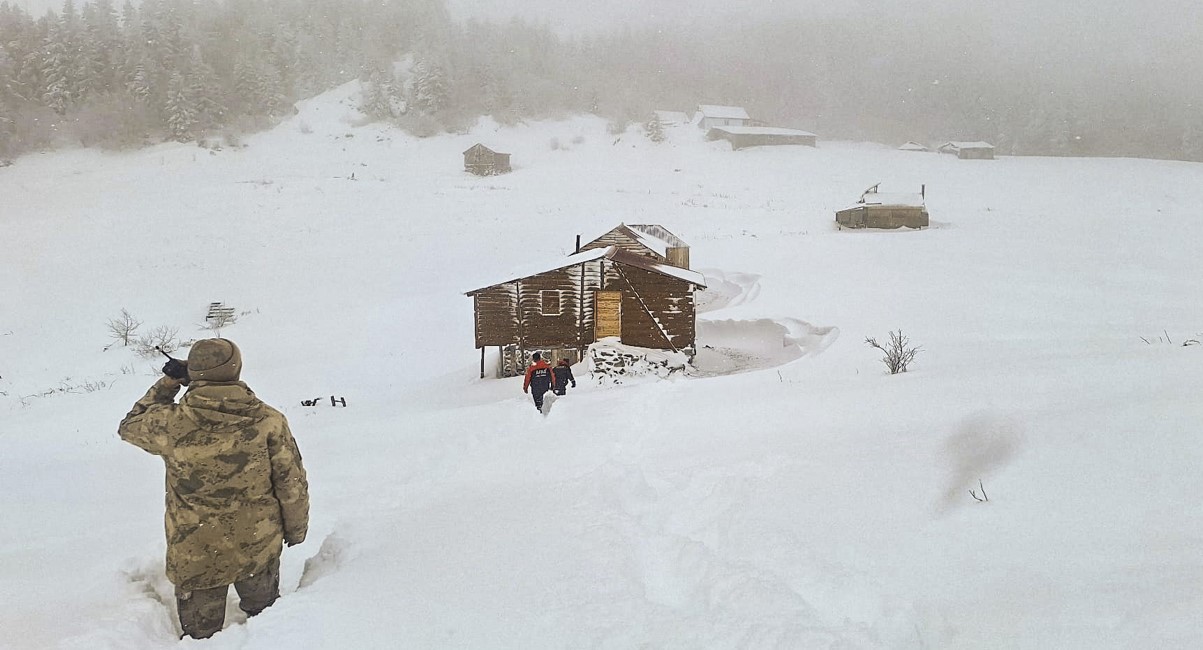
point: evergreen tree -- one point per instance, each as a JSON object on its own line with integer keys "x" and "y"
{"x": 655, "y": 130}
{"x": 179, "y": 109}
{"x": 430, "y": 88}
{"x": 56, "y": 71}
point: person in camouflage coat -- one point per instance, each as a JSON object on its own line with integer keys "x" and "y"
{"x": 236, "y": 488}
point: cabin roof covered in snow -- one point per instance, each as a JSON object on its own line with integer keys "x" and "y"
{"x": 481, "y": 146}
{"x": 723, "y": 112}
{"x": 913, "y": 146}
{"x": 968, "y": 145}
{"x": 762, "y": 130}
{"x": 671, "y": 117}
{"x": 611, "y": 253}
{"x": 656, "y": 238}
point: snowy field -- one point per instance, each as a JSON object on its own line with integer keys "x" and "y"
{"x": 788, "y": 493}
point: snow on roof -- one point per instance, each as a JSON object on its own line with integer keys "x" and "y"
{"x": 968, "y": 145}
{"x": 762, "y": 130}
{"x": 481, "y": 146}
{"x": 723, "y": 112}
{"x": 911, "y": 145}
{"x": 635, "y": 259}
{"x": 655, "y": 238}
{"x": 671, "y": 117}
{"x": 612, "y": 253}
{"x": 563, "y": 262}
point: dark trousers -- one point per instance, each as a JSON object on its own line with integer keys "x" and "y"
{"x": 538, "y": 395}
{"x": 203, "y": 611}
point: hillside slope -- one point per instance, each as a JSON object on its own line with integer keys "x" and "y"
{"x": 810, "y": 501}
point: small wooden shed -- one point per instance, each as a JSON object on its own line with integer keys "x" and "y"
{"x": 886, "y": 210}
{"x": 670, "y": 118}
{"x": 483, "y": 161}
{"x": 588, "y": 296}
{"x": 969, "y": 150}
{"x": 761, "y": 136}
{"x": 649, "y": 240}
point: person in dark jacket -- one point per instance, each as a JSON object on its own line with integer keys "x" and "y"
{"x": 560, "y": 376}
{"x": 538, "y": 379}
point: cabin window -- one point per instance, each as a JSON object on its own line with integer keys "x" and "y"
{"x": 549, "y": 302}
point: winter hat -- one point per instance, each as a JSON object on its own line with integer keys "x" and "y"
{"x": 536, "y": 356}
{"x": 214, "y": 360}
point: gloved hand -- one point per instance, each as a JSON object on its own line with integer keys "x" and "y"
{"x": 574, "y": 384}
{"x": 177, "y": 370}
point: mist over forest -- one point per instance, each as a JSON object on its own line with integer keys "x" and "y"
{"x": 1033, "y": 79}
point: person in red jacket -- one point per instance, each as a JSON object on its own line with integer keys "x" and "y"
{"x": 538, "y": 379}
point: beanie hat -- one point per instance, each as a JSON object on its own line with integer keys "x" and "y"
{"x": 214, "y": 360}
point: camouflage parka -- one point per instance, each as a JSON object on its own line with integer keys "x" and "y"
{"x": 235, "y": 488}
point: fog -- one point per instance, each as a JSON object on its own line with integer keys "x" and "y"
{"x": 1032, "y": 76}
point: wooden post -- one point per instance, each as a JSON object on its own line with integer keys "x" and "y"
{"x": 482, "y": 362}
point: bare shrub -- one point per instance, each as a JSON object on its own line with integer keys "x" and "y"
{"x": 220, "y": 319}
{"x": 123, "y": 327}
{"x": 554, "y": 144}
{"x": 163, "y": 338}
{"x": 898, "y": 351}
{"x": 578, "y": 139}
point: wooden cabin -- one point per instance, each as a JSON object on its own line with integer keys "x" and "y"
{"x": 483, "y": 161}
{"x": 670, "y": 118}
{"x": 969, "y": 150}
{"x": 649, "y": 240}
{"x": 885, "y": 210}
{"x": 761, "y": 136}
{"x": 709, "y": 116}
{"x": 911, "y": 145}
{"x": 588, "y": 296}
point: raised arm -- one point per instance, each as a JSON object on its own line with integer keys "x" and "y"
{"x": 146, "y": 424}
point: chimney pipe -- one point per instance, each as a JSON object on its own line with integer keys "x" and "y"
{"x": 923, "y": 190}
{"x": 578, "y": 243}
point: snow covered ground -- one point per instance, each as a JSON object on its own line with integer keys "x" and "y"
{"x": 785, "y": 494}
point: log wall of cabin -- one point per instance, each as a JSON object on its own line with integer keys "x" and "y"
{"x": 496, "y": 315}
{"x": 670, "y": 302}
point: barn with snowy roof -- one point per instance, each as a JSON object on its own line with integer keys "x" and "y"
{"x": 886, "y": 210}
{"x": 709, "y": 116}
{"x": 567, "y": 304}
{"x": 969, "y": 150}
{"x": 761, "y": 136}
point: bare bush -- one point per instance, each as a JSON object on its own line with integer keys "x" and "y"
{"x": 123, "y": 327}
{"x": 160, "y": 338}
{"x": 898, "y": 351}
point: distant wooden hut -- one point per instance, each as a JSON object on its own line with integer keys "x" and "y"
{"x": 761, "y": 136}
{"x": 585, "y": 297}
{"x": 913, "y": 146}
{"x": 670, "y": 118}
{"x": 483, "y": 161}
{"x": 886, "y": 210}
{"x": 650, "y": 240}
{"x": 711, "y": 115}
{"x": 969, "y": 150}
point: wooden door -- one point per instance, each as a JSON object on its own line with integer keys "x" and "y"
{"x": 607, "y": 310}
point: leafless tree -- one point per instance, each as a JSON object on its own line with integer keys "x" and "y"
{"x": 123, "y": 327}
{"x": 898, "y": 351}
{"x": 160, "y": 338}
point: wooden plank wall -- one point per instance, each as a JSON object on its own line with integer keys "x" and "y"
{"x": 496, "y": 318}
{"x": 669, "y": 299}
